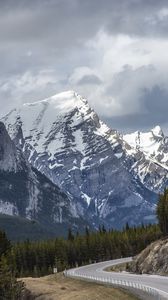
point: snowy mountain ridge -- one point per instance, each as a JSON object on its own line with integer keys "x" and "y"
{"x": 43, "y": 116}
{"x": 154, "y": 144}
{"x": 108, "y": 177}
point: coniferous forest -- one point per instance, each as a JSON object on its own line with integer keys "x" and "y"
{"x": 39, "y": 258}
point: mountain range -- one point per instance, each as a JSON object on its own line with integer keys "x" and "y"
{"x": 103, "y": 177}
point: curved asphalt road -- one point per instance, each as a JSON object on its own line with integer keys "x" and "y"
{"x": 157, "y": 282}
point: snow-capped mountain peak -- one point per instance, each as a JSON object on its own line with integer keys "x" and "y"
{"x": 61, "y": 103}
{"x": 44, "y": 124}
{"x": 39, "y": 121}
{"x": 154, "y": 144}
{"x": 147, "y": 141}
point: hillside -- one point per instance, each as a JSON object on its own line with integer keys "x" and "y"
{"x": 152, "y": 260}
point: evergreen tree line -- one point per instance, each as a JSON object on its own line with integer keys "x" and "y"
{"x": 162, "y": 212}
{"x": 39, "y": 258}
{"x": 10, "y": 288}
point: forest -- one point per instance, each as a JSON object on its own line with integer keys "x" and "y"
{"x": 39, "y": 258}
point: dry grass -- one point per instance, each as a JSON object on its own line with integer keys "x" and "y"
{"x": 57, "y": 287}
{"x": 117, "y": 268}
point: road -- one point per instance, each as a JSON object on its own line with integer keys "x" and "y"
{"x": 96, "y": 272}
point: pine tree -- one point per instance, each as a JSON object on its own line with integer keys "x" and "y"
{"x": 87, "y": 231}
{"x": 127, "y": 226}
{"x": 10, "y": 288}
{"x": 5, "y": 244}
{"x": 70, "y": 235}
{"x": 162, "y": 212}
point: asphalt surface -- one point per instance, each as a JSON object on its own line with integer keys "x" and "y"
{"x": 97, "y": 270}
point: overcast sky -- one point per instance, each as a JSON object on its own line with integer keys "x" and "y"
{"x": 113, "y": 52}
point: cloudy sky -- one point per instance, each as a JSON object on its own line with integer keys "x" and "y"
{"x": 113, "y": 52}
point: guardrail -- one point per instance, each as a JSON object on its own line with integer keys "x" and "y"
{"x": 155, "y": 293}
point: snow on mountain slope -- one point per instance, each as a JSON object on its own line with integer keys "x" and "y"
{"x": 43, "y": 123}
{"x": 40, "y": 119}
{"x": 108, "y": 180}
{"x": 54, "y": 124}
{"x": 153, "y": 144}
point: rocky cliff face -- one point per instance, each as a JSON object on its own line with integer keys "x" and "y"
{"x": 109, "y": 181}
{"x": 152, "y": 260}
{"x": 26, "y": 192}
{"x": 10, "y": 158}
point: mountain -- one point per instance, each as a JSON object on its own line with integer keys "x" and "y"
{"x": 154, "y": 147}
{"x": 27, "y": 193}
{"x": 153, "y": 144}
{"x": 107, "y": 179}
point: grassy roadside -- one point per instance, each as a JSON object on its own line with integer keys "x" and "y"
{"x": 117, "y": 268}
{"x": 57, "y": 287}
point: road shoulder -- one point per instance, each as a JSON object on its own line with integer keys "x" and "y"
{"x": 57, "y": 287}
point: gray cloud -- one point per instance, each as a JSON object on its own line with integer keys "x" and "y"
{"x": 155, "y": 102}
{"x": 90, "y": 80}
{"x": 64, "y": 23}
{"x": 45, "y": 42}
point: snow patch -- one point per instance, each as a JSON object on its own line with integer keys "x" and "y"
{"x": 79, "y": 144}
{"x": 118, "y": 155}
{"x": 86, "y": 198}
{"x": 102, "y": 159}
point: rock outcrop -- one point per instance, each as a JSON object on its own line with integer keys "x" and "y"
{"x": 152, "y": 260}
